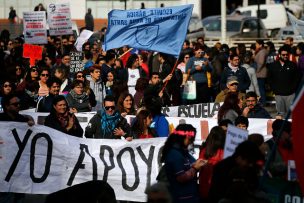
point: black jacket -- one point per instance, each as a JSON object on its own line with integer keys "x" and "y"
{"x": 53, "y": 122}
{"x": 284, "y": 80}
{"x": 93, "y": 130}
{"x": 258, "y": 112}
{"x": 45, "y": 103}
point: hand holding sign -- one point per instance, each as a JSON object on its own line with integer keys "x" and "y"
{"x": 33, "y": 52}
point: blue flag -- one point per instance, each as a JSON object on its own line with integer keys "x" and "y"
{"x": 156, "y": 29}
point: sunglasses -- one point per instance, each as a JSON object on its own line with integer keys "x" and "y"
{"x": 109, "y": 107}
{"x": 186, "y": 57}
{"x": 7, "y": 86}
{"x": 45, "y": 75}
{"x": 284, "y": 54}
{"x": 15, "y": 104}
{"x": 80, "y": 76}
{"x": 234, "y": 84}
{"x": 34, "y": 70}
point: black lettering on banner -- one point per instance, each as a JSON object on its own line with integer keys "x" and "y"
{"x": 215, "y": 108}
{"x": 204, "y": 110}
{"x": 21, "y": 146}
{"x": 80, "y": 165}
{"x": 124, "y": 175}
{"x": 48, "y": 157}
{"x": 165, "y": 110}
{"x": 181, "y": 111}
{"x": 148, "y": 161}
{"x": 107, "y": 168}
{"x": 197, "y": 111}
{"x": 189, "y": 111}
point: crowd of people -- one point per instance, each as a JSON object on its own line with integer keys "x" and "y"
{"x": 121, "y": 82}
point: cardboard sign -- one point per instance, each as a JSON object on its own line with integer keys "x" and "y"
{"x": 234, "y": 137}
{"x": 34, "y": 25}
{"x": 59, "y": 19}
{"x": 76, "y": 63}
{"x": 33, "y": 52}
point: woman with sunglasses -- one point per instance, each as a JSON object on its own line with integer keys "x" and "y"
{"x": 19, "y": 74}
{"x": 44, "y": 75}
{"x": 77, "y": 98}
{"x": 81, "y": 76}
{"x": 180, "y": 168}
{"x": 7, "y": 88}
{"x": 62, "y": 120}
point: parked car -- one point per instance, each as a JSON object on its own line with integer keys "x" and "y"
{"x": 238, "y": 26}
{"x": 289, "y": 31}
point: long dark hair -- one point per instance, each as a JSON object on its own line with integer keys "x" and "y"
{"x": 139, "y": 125}
{"x": 230, "y": 103}
{"x": 214, "y": 141}
{"x": 177, "y": 139}
{"x": 121, "y": 100}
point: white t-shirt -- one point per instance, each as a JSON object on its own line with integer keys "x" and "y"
{"x": 132, "y": 79}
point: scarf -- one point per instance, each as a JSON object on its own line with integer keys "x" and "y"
{"x": 108, "y": 123}
{"x": 80, "y": 98}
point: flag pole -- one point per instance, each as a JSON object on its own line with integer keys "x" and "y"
{"x": 125, "y": 52}
{"x": 173, "y": 69}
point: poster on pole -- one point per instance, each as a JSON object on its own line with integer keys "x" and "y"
{"x": 59, "y": 19}
{"x": 234, "y": 137}
{"x": 76, "y": 63}
{"x": 34, "y": 26}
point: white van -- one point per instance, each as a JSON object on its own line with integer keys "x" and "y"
{"x": 274, "y": 16}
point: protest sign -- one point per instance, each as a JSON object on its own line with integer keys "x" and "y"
{"x": 34, "y": 25}
{"x": 234, "y": 137}
{"x": 76, "y": 63}
{"x": 41, "y": 160}
{"x": 33, "y": 52}
{"x": 156, "y": 29}
{"x": 83, "y": 37}
{"x": 59, "y": 19}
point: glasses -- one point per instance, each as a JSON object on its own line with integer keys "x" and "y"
{"x": 186, "y": 57}
{"x": 284, "y": 54}
{"x": 250, "y": 101}
{"x": 45, "y": 75}
{"x": 80, "y": 76}
{"x": 34, "y": 70}
{"x": 109, "y": 107}
{"x": 7, "y": 85}
{"x": 234, "y": 84}
{"x": 15, "y": 104}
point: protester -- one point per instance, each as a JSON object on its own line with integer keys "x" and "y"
{"x": 158, "y": 193}
{"x": 252, "y": 108}
{"x": 11, "y": 107}
{"x": 251, "y": 73}
{"x": 180, "y": 167}
{"x": 7, "y": 88}
{"x": 77, "y": 99}
{"x": 61, "y": 119}
{"x": 141, "y": 85}
{"x": 96, "y": 85}
{"x": 62, "y": 74}
{"x": 196, "y": 69}
{"x": 79, "y": 75}
{"x": 46, "y": 102}
{"x": 111, "y": 79}
{"x": 234, "y": 68}
{"x": 126, "y": 104}
{"x": 160, "y": 123}
{"x": 232, "y": 87}
{"x": 141, "y": 126}
{"x": 108, "y": 123}
{"x": 281, "y": 73}
{"x": 241, "y": 122}
{"x": 211, "y": 150}
{"x": 230, "y": 109}
{"x": 245, "y": 157}
{"x": 12, "y": 15}
{"x": 89, "y": 20}
{"x": 44, "y": 74}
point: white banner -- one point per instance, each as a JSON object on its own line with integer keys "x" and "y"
{"x": 59, "y": 19}
{"x": 34, "y": 26}
{"x": 40, "y": 160}
{"x": 203, "y": 110}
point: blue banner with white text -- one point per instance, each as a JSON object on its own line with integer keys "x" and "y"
{"x": 155, "y": 29}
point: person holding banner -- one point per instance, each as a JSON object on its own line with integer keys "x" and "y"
{"x": 108, "y": 123}
{"x": 61, "y": 119}
{"x": 180, "y": 167}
